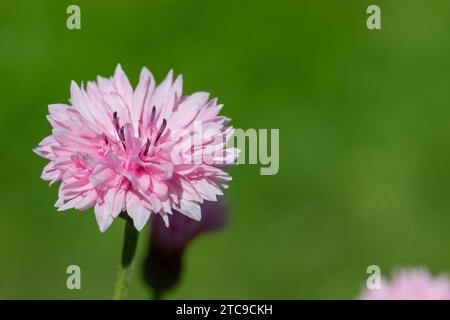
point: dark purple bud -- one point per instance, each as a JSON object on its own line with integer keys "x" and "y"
{"x": 163, "y": 265}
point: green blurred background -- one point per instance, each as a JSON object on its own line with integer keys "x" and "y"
{"x": 364, "y": 140}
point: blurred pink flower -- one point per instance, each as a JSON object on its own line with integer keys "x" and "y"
{"x": 141, "y": 151}
{"x": 411, "y": 284}
{"x": 164, "y": 261}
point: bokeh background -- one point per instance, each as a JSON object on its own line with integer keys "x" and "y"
{"x": 364, "y": 140}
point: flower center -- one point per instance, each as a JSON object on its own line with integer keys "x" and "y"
{"x": 120, "y": 130}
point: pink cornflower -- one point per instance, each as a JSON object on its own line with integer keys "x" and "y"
{"x": 411, "y": 284}
{"x": 137, "y": 151}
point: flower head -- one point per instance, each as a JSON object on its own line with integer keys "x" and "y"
{"x": 142, "y": 151}
{"x": 411, "y": 284}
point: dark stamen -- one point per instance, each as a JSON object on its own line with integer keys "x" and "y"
{"x": 122, "y": 133}
{"x": 147, "y": 145}
{"x": 106, "y": 139}
{"x": 116, "y": 121}
{"x": 152, "y": 116}
{"x": 161, "y": 130}
{"x": 122, "y": 136}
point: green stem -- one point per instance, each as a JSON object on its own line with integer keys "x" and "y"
{"x": 157, "y": 295}
{"x": 126, "y": 265}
